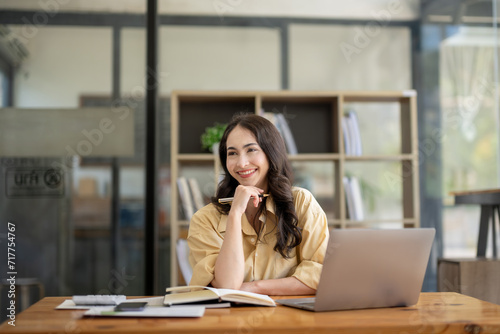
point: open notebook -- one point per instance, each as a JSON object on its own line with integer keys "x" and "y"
{"x": 191, "y": 295}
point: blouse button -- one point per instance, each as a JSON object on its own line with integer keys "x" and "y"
{"x": 252, "y": 240}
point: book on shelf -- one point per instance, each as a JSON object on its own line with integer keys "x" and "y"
{"x": 191, "y": 196}
{"x": 354, "y": 123}
{"x": 354, "y": 199}
{"x": 287, "y": 134}
{"x": 357, "y": 198}
{"x": 352, "y": 134}
{"x": 202, "y": 295}
{"x": 185, "y": 196}
{"x": 348, "y": 198}
{"x": 280, "y": 122}
{"x": 347, "y": 137}
{"x": 197, "y": 195}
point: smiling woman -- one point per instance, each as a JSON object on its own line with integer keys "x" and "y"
{"x": 271, "y": 244}
{"x": 246, "y": 161}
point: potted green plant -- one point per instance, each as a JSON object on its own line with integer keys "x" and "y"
{"x": 211, "y": 137}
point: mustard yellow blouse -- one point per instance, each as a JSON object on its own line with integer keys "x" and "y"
{"x": 208, "y": 226}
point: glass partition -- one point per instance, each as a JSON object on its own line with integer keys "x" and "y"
{"x": 78, "y": 204}
{"x": 461, "y": 115}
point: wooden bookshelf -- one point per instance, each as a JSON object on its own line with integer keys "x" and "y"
{"x": 315, "y": 122}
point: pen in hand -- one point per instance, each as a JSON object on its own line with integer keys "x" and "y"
{"x": 228, "y": 200}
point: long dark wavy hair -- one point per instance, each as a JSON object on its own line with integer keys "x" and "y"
{"x": 279, "y": 177}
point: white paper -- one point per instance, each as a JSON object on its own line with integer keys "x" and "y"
{"x": 68, "y": 304}
{"x": 149, "y": 312}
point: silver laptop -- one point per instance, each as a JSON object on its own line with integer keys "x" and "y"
{"x": 370, "y": 268}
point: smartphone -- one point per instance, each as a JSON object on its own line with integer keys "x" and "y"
{"x": 131, "y": 306}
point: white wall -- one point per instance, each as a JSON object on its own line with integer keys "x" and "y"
{"x": 64, "y": 63}
{"x": 346, "y": 58}
{"x": 67, "y": 62}
{"x": 204, "y": 58}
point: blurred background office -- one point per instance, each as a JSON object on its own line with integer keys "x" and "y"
{"x": 85, "y": 235}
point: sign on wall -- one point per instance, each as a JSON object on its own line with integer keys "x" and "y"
{"x": 33, "y": 182}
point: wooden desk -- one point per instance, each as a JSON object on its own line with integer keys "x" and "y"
{"x": 444, "y": 312}
{"x": 489, "y": 200}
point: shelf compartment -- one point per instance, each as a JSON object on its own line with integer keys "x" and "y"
{"x": 319, "y": 178}
{"x": 199, "y": 112}
{"x": 381, "y": 185}
{"x": 385, "y": 137}
{"x": 311, "y": 120}
{"x": 204, "y": 174}
{"x": 397, "y": 116}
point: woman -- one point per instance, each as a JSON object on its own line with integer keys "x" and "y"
{"x": 272, "y": 244}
